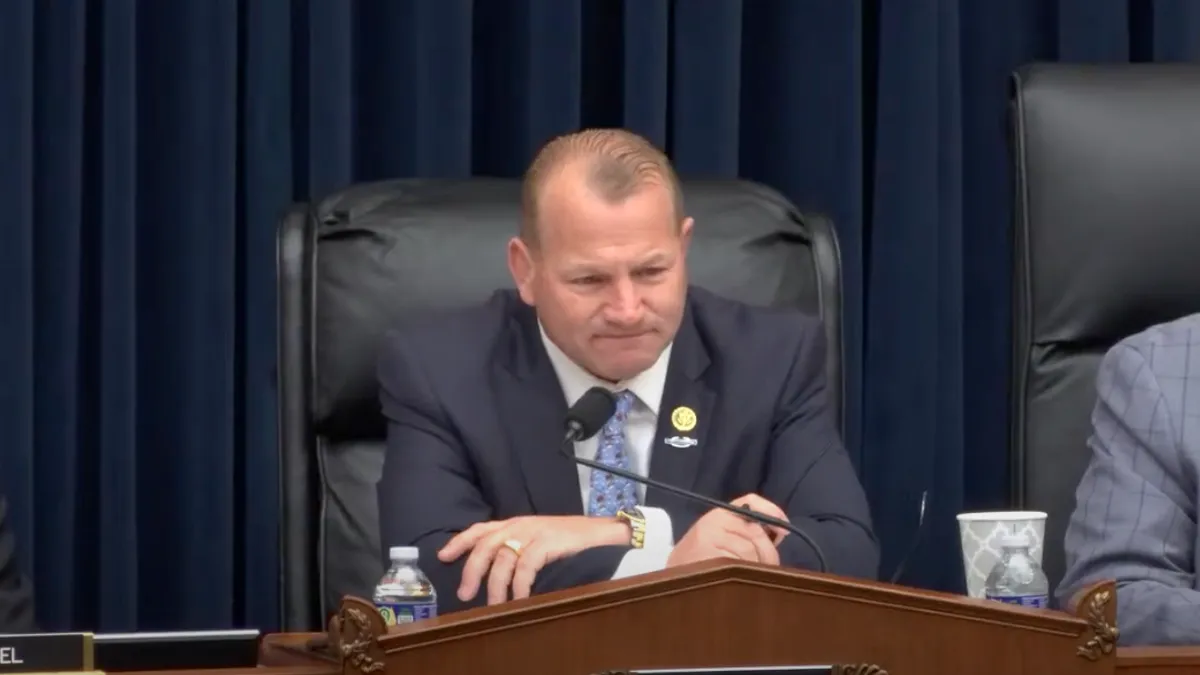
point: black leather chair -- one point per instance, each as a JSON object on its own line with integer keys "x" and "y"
{"x": 351, "y": 264}
{"x": 1107, "y": 243}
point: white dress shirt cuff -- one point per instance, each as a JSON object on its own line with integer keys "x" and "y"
{"x": 660, "y": 540}
{"x": 660, "y": 533}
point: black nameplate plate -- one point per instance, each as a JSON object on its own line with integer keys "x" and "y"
{"x": 46, "y": 653}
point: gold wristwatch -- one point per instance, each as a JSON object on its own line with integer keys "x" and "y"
{"x": 637, "y": 526}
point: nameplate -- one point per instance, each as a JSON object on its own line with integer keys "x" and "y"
{"x": 46, "y": 653}
{"x": 745, "y": 670}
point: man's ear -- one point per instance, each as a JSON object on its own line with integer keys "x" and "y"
{"x": 685, "y": 232}
{"x": 521, "y": 266}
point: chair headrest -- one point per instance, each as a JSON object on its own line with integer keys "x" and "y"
{"x": 1110, "y": 202}
{"x": 385, "y": 249}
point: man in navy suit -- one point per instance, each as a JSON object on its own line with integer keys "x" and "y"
{"x": 713, "y": 395}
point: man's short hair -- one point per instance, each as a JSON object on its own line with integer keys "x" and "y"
{"x": 618, "y": 164}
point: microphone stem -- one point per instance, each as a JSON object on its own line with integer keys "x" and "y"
{"x": 715, "y": 503}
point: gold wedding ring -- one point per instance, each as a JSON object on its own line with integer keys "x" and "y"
{"x": 514, "y": 546}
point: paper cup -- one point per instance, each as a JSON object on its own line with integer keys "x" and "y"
{"x": 981, "y": 533}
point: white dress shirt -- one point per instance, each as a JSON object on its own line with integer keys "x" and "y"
{"x": 640, "y": 427}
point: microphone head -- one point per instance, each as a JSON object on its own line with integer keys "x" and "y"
{"x": 591, "y": 412}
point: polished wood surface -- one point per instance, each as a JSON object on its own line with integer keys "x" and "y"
{"x": 726, "y": 614}
{"x": 297, "y": 649}
{"x": 723, "y": 613}
{"x": 1158, "y": 661}
{"x": 295, "y": 658}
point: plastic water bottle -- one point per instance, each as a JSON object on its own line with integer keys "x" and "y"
{"x": 405, "y": 594}
{"x": 1017, "y": 579}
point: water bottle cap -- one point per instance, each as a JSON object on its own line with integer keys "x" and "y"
{"x": 405, "y": 553}
{"x": 1015, "y": 540}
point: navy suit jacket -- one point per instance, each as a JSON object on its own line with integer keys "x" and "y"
{"x": 476, "y": 417}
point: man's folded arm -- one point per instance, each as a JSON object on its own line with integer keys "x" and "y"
{"x": 810, "y": 475}
{"x": 430, "y": 492}
{"x": 1134, "y": 519}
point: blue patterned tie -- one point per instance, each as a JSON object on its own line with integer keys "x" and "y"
{"x": 610, "y": 493}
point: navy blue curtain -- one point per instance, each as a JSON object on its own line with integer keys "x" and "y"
{"x": 146, "y": 149}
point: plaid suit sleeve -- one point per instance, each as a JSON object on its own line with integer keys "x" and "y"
{"x": 1134, "y": 520}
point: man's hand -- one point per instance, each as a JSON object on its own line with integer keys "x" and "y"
{"x": 723, "y": 534}
{"x": 757, "y": 503}
{"x": 543, "y": 540}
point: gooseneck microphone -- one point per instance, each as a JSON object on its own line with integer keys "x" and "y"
{"x": 916, "y": 540}
{"x": 589, "y": 415}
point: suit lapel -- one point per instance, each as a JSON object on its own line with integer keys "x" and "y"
{"x": 533, "y": 409}
{"x": 684, "y": 415}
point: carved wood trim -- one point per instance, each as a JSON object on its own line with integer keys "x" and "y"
{"x": 1098, "y": 606}
{"x": 354, "y": 634}
{"x": 859, "y": 669}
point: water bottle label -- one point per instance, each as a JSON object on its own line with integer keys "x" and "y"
{"x": 395, "y": 613}
{"x": 1035, "y": 601}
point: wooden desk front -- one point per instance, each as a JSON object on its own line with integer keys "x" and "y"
{"x": 282, "y": 654}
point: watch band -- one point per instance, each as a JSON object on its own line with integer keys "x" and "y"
{"x": 637, "y": 526}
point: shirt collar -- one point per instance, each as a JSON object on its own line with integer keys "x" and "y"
{"x": 575, "y": 381}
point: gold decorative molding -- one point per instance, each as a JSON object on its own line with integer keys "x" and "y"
{"x": 1099, "y": 610}
{"x": 354, "y": 637}
{"x": 859, "y": 669}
